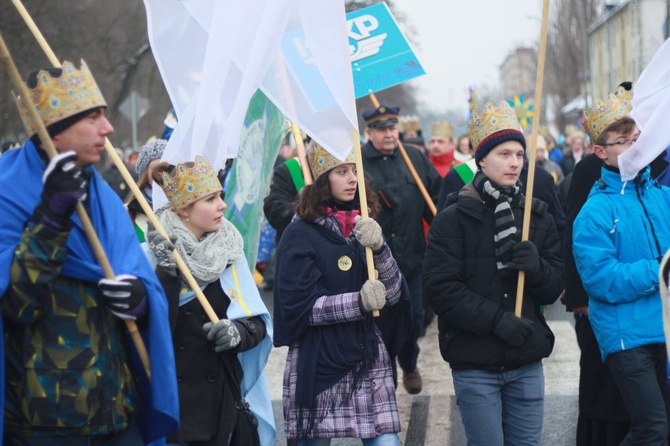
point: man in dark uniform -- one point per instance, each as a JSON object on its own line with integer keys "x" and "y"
{"x": 403, "y": 208}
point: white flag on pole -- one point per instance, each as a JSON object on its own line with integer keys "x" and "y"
{"x": 651, "y": 108}
{"x": 214, "y": 55}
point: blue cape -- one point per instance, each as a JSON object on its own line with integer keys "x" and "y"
{"x": 20, "y": 190}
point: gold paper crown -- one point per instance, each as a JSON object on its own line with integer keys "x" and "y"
{"x": 320, "y": 161}
{"x": 626, "y": 96}
{"x": 190, "y": 182}
{"x": 603, "y": 114}
{"x": 408, "y": 123}
{"x": 442, "y": 128}
{"x": 55, "y": 99}
{"x": 492, "y": 120}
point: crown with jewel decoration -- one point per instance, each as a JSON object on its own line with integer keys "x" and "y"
{"x": 490, "y": 121}
{"x": 409, "y": 123}
{"x": 58, "y": 98}
{"x": 321, "y": 161}
{"x": 442, "y": 128}
{"x": 626, "y": 96}
{"x": 603, "y": 114}
{"x": 190, "y": 182}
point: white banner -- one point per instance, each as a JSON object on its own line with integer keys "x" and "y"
{"x": 214, "y": 55}
{"x": 651, "y": 108}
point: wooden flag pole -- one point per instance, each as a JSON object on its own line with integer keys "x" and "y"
{"x": 118, "y": 162}
{"x": 410, "y": 166}
{"x": 525, "y": 232}
{"x": 302, "y": 155}
{"x": 362, "y": 196}
{"x": 81, "y": 212}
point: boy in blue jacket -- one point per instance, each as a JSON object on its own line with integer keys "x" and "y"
{"x": 619, "y": 239}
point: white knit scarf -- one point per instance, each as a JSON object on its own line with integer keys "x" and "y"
{"x": 208, "y": 257}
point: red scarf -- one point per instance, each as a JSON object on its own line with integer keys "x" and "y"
{"x": 345, "y": 219}
{"x": 443, "y": 163}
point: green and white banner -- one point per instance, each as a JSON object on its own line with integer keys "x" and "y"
{"x": 251, "y": 171}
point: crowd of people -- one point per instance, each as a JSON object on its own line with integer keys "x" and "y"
{"x": 358, "y": 277}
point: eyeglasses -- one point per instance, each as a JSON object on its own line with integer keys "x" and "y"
{"x": 624, "y": 142}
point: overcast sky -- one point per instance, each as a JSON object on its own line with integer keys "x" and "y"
{"x": 464, "y": 41}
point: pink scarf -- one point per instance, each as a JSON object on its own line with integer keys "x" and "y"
{"x": 345, "y": 219}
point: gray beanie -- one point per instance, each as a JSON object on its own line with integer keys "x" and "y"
{"x": 150, "y": 151}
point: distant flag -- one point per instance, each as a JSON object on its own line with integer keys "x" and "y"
{"x": 651, "y": 108}
{"x": 472, "y": 101}
{"x": 214, "y": 55}
{"x": 523, "y": 109}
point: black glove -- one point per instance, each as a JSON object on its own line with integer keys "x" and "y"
{"x": 224, "y": 333}
{"x": 512, "y": 329}
{"x": 525, "y": 258}
{"x": 125, "y": 296}
{"x": 64, "y": 186}
{"x": 162, "y": 249}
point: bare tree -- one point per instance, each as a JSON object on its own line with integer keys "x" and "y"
{"x": 567, "y": 71}
{"x": 110, "y": 36}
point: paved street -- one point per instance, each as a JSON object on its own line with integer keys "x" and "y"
{"x": 432, "y": 417}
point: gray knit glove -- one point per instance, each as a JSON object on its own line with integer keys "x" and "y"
{"x": 368, "y": 233}
{"x": 224, "y": 333}
{"x": 373, "y": 295}
{"x": 162, "y": 249}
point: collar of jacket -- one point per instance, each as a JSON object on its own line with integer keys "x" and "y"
{"x": 369, "y": 151}
{"x": 470, "y": 202}
{"x": 610, "y": 181}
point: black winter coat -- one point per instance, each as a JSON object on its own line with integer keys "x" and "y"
{"x": 403, "y": 206}
{"x": 279, "y": 204}
{"x": 206, "y": 402}
{"x": 466, "y": 290}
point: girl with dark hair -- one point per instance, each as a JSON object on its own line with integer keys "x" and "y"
{"x": 338, "y": 380}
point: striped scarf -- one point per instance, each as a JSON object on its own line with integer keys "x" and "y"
{"x": 504, "y": 236}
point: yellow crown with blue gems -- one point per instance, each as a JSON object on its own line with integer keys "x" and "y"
{"x": 603, "y": 114}
{"x": 490, "y": 121}
{"x": 409, "y": 123}
{"x": 442, "y": 128}
{"x": 58, "y": 98}
{"x": 190, "y": 182}
{"x": 320, "y": 161}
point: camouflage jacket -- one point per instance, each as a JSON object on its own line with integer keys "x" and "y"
{"x": 65, "y": 355}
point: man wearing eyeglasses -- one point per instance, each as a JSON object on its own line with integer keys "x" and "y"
{"x": 619, "y": 239}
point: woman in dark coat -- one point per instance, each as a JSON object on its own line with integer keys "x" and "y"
{"x": 470, "y": 278}
{"x": 217, "y": 361}
{"x": 338, "y": 380}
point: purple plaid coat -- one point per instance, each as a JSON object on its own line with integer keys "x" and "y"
{"x": 372, "y": 410}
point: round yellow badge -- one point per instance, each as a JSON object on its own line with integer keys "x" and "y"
{"x": 344, "y": 263}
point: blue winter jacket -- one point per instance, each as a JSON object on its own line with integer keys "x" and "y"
{"x": 619, "y": 237}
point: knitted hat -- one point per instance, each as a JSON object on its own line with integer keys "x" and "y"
{"x": 151, "y": 151}
{"x": 320, "y": 161}
{"x": 492, "y": 127}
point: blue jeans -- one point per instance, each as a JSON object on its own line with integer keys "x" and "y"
{"x": 639, "y": 373}
{"x": 382, "y": 440}
{"x": 501, "y": 407}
